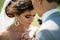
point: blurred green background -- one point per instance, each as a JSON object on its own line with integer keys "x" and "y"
{"x": 1, "y": 4}
{"x": 35, "y": 22}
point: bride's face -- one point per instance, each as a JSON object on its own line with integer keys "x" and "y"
{"x": 26, "y": 18}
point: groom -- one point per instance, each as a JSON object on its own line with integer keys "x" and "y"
{"x": 50, "y": 28}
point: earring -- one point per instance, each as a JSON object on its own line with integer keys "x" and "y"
{"x": 16, "y": 22}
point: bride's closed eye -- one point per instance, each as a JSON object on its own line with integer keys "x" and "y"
{"x": 28, "y": 16}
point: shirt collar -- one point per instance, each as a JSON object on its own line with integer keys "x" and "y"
{"x": 47, "y": 13}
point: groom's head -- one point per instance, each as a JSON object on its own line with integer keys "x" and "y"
{"x": 41, "y": 6}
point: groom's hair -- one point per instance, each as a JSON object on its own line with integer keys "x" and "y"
{"x": 57, "y": 1}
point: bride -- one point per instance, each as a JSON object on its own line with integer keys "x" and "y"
{"x": 23, "y": 12}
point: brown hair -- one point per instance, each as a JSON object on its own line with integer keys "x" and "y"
{"x": 18, "y": 7}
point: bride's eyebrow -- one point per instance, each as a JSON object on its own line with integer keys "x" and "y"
{"x": 30, "y": 15}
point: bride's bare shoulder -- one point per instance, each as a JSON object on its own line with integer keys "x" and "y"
{"x": 4, "y": 35}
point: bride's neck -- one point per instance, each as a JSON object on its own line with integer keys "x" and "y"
{"x": 22, "y": 27}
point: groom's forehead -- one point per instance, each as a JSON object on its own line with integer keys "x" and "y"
{"x": 22, "y": 0}
{"x": 35, "y": 0}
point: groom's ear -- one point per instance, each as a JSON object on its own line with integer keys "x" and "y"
{"x": 41, "y": 1}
